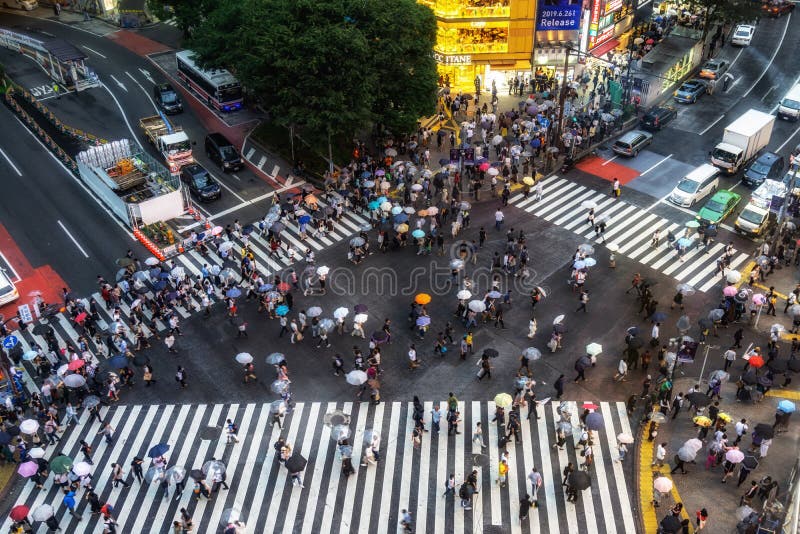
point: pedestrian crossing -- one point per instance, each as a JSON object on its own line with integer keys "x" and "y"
{"x": 368, "y": 501}
{"x": 629, "y": 230}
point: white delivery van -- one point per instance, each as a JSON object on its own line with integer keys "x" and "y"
{"x": 789, "y": 108}
{"x": 699, "y": 183}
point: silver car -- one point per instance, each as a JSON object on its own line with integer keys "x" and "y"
{"x": 632, "y": 143}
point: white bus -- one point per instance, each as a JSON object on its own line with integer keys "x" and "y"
{"x": 217, "y": 87}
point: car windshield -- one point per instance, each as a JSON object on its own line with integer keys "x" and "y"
{"x": 687, "y": 186}
{"x": 169, "y": 97}
{"x": 229, "y": 153}
{"x": 711, "y": 66}
{"x": 181, "y": 146}
{"x": 791, "y": 104}
{"x": 715, "y": 206}
{"x": 721, "y": 155}
{"x": 201, "y": 180}
{"x": 751, "y": 216}
{"x": 742, "y": 33}
{"x": 688, "y": 87}
{"x": 759, "y": 168}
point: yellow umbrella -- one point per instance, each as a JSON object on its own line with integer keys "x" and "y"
{"x": 402, "y": 228}
{"x": 702, "y": 420}
{"x": 528, "y": 180}
{"x": 503, "y": 400}
{"x": 422, "y": 298}
{"x": 422, "y": 213}
{"x": 725, "y": 417}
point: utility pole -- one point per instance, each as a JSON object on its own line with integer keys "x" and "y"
{"x": 705, "y": 357}
{"x": 562, "y": 95}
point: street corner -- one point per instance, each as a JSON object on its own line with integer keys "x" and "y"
{"x": 607, "y": 169}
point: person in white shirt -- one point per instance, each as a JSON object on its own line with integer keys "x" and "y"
{"x": 730, "y": 357}
{"x": 661, "y": 454}
{"x": 741, "y": 430}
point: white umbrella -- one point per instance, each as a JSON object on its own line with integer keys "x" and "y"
{"x": 36, "y": 452}
{"x": 341, "y": 313}
{"x": 734, "y": 456}
{"x": 492, "y": 171}
{"x": 360, "y": 318}
{"x": 314, "y": 311}
{"x": 588, "y": 204}
{"x": 244, "y": 357}
{"x": 593, "y": 349}
{"x": 662, "y": 484}
{"x": 43, "y": 512}
{"x": 323, "y": 270}
{"x": 29, "y": 426}
{"x": 625, "y": 438}
{"x": 464, "y": 294}
{"x": 457, "y": 264}
{"x": 386, "y": 206}
{"x": 497, "y": 139}
{"x": 226, "y": 246}
{"x": 177, "y": 272}
{"x": 82, "y": 469}
{"x": 693, "y": 443}
{"x": 151, "y": 261}
{"x": 477, "y": 306}
{"x": 356, "y": 378}
{"x": 558, "y": 319}
{"x": 409, "y": 210}
{"x": 733, "y": 277}
{"x": 532, "y": 354}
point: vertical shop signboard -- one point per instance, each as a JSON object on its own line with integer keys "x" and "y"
{"x": 558, "y": 15}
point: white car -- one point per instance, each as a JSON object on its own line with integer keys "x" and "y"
{"x": 743, "y": 34}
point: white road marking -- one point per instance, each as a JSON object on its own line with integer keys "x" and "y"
{"x": 608, "y": 161}
{"x": 261, "y": 162}
{"x": 72, "y": 237}
{"x": 656, "y": 165}
{"x": 94, "y": 52}
{"x": 143, "y": 90}
{"x": 774, "y": 54}
{"x": 712, "y": 124}
{"x": 146, "y": 74}
{"x": 10, "y": 162}
{"x": 735, "y": 59}
{"x": 787, "y": 140}
{"x": 275, "y": 171}
{"x": 17, "y": 277}
{"x": 236, "y": 177}
{"x": 768, "y": 92}
{"x": 250, "y": 153}
{"x": 121, "y": 85}
{"x": 124, "y": 117}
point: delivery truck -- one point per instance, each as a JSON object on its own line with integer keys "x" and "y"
{"x": 742, "y": 140}
{"x": 171, "y": 141}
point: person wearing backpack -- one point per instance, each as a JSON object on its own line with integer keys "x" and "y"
{"x": 233, "y": 430}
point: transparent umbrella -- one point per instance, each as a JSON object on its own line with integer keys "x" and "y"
{"x": 340, "y": 432}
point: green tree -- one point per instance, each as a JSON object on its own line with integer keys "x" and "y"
{"x": 727, "y": 11}
{"x": 188, "y": 14}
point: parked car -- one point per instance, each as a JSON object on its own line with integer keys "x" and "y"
{"x": 25, "y": 5}
{"x": 632, "y": 143}
{"x": 743, "y": 34}
{"x": 8, "y": 291}
{"x": 200, "y": 182}
{"x": 714, "y": 69}
{"x": 690, "y": 91}
{"x": 167, "y": 98}
{"x": 222, "y": 152}
{"x": 768, "y": 166}
{"x": 657, "y": 117}
{"x": 718, "y": 207}
{"x": 776, "y": 8}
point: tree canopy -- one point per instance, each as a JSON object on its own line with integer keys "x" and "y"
{"x": 728, "y": 11}
{"x": 326, "y": 67}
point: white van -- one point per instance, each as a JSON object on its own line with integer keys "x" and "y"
{"x": 8, "y": 291}
{"x": 699, "y": 183}
{"x": 789, "y": 108}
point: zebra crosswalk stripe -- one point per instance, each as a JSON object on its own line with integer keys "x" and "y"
{"x": 368, "y": 501}
{"x": 629, "y": 230}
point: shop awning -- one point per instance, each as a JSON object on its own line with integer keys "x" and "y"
{"x": 600, "y": 51}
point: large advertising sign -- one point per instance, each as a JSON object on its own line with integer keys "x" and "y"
{"x": 559, "y": 15}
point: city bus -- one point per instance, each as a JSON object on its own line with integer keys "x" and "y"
{"x": 218, "y": 88}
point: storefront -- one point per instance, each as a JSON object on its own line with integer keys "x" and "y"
{"x": 484, "y": 40}
{"x": 608, "y": 20}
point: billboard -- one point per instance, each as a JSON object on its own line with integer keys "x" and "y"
{"x": 558, "y": 15}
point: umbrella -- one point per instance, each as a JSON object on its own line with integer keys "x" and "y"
{"x": 314, "y": 311}
{"x": 559, "y": 319}
{"x": 61, "y": 464}
{"x": 720, "y": 375}
{"x": 36, "y": 453}
{"x": 29, "y": 426}
{"x": 734, "y": 456}
{"x": 158, "y": 450}
{"x": 764, "y": 430}
{"x": 593, "y": 349}
{"x": 323, "y": 270}
{"x": 28, "y": 469}
{"x": 233, "y": 293}
{"x": 590, "y": 262}
{"x": 151, "y": 261}
{"x": 730, "y": 291}
{"x": 155, "y": 473}
{"x": 336, "y": 417}
{"x": 786, "y": 406}
{"x": 670, "y": 524}
{"x": 658, "y": 317}
{"x": 687, "y": 454}
{"x": 494, "y": 294}
{"x": 296, "y": 463}
{"x": 632, "y": 330}
{"x": 503, "y": 400}
{"x": 276, "y": 228}
{"x": 733, "y": 277}
{"x": 464, "y": 294}
{"x": 244, "y": 358}
{"x": 279, "y": 386}
{"x": 743, "y": 512}
{"x": 340, "y": 313}
{"x": 360, "y": 318}
{"x": 465, "y": 206}
{"x": 423, "y": 320}
{"x": 477, "y": 306}
{"x": 635, "y": 343}
{"x": 532, "y": 354}
{"x": 683, "y": 323}
{"x": 579, "y": 480}
{"x": 74, "y": 381}
{"x": 422, "y": 298}
{"x": 213, "y": 466}
{"x": 19, "y": 512}
{"x": 82, "y": 469}
{"x": 702, "y": 420}
{"x": 662, "y": 484}
{"x": 698, "y": 399}
{"x": 457, "y": 265}
{"x": 42, "y": 329}
{"x": 197, "y": 474}
{"x": 756, "y": 361}
{"x": 326, "y": 325}
{"x": 759, "y": 299}
{"x": 588, "y": 204}
{"x": 119, "y": 361}
{"x": 360, "y": 308}
{"x": 282, "y": 310}
{"x": 658, "y": 417}
{"x": 594, "y": 421}
{"x": 91, "y": 401}
{"x": 491, "y": 353}
{"x": 686, "y": 289}
{"x": 43, "y": 512}
{"x": 625, "y": 438}
{"x": 750, "y": 462}
{"x": 356, "y": 378}
{"x": 418, "y": 234}
{"x": 694, "y": 444}
{"x": 724, "y": 417}
{"x": 277, "y": 406}
{"x": 580, "y": 264}
{"x": 76, "y": 364}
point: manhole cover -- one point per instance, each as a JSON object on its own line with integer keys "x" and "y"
{"x": 480, "y": 459}
{"x": 210, "y": 432}
{"x": 494, "y": 529}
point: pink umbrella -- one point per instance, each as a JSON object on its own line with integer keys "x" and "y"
{"x": 483, "y": 167}
{"x": 730, "y": 291}
{"x": 28, "y": 469}
{"x": 759, "y": 299}
{"x": 734, "y": 456}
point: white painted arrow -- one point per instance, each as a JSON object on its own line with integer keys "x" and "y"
{"x": 119, "y": 83}
{"x": 147, "y": 75}
{"x": 143, "y": 89}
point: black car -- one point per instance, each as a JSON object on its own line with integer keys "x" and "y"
{"x": 222, "y": 152}
{"x": 768, "y": 166}
{"x": 167, "y": 98}
{"x": 200, "y": 182}
{"x": 657, "y": 117}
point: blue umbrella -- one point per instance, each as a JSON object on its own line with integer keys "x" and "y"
{"x": 265, "y": 287}
{"x": 658, "y": 316}
{"x": 118, "y": 362}
{"x": 366, "y": 174}
{"x": 248, "y": 229}
{"x": 418, "y": 234}
{"x": 444, "y": 161}
{"x": 158, "y": 450}
{"x": 305, "y": 219}
{"x": 786, "y": 406}
{"x": 381, "y": 199}
{"x": 233, "y": 293}
{"x": 399, "y": 219}
{"x": 536, "y": 142}
{"x": 684, "y": 242}
{"x": 161, "y": 284}
{"x": 282, "y": 310}
{"x": 163, "y": 276}
{"x": 30, "y": 355}
{"x": 594, "y": 421}
{"x": 423, "y": 320}
{"x": 374, "y": 205}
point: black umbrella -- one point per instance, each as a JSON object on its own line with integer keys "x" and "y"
{"x": 42, "y": 330}
{"x": 635, "y": 343}
{"x": 698, "y": 399}
{"x": 764, "y": 430}
{"x": 580, "y": 480}
{"x": 704, "y": 323}
{"x": 583, "y": 362}
{"x": 633, "y": 330}
{"x": 360, "y": 308}
{"x": 296, "y": 463}
{"x": 779, "y": 366}
{"x": 380, "y": 336}
{"x": 750, "y": 462}
{"x": 5, "y": 438}
{"x": 13, "y": 430}
{"x": 492, "y": 353}
{"x": 750, "y": 378}
{"x": 197, "y": 474}
{"x": 764, "y": 380}
{"x": 671, "y": 524}
{"x": 559, "y": 328}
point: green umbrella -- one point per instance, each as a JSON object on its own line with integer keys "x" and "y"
{"x": 693, "y": 224}
{"x": 61, "y": 464}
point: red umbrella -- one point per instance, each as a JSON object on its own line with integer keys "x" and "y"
{"x": 74, "y": 365}
{"x": 81, "y": 318}
{"x": 19, "y": 512}
{"x": 283, "y": 286}
{"x": 590, "y": 406}
{"x": 756, "y": 361}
